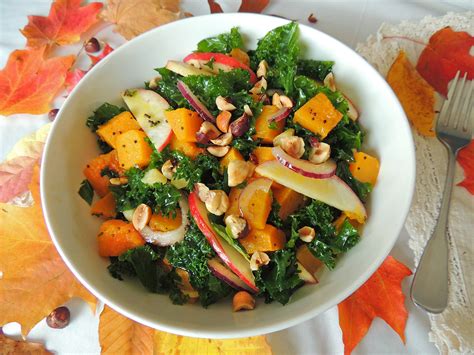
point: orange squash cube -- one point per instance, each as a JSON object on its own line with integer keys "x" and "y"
{"x": 232, "y": 154}
{"x": 133, "y": 150}
{"x": 289, "y": 200}
{"x": 119, "y": 124}
{"x": 266, "y": 239}
{"x": 161, "y": 223}
{"x": 188, "y": 148}
{"x": 116, "y": 237}
{"x": 318, "y": 115}
{"x": 93, "y": 171}
{"x": 105, "y": 207}
{"x": 365, "y": 168}
{"x": 184, "y": 123}
{"x": 266, "y": 130}
{"x": 263, "y": 154}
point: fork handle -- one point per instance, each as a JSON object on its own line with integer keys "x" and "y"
{"x": 429, "y": 289}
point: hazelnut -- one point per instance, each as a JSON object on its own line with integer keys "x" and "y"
{"x": 306, "y": 234}
{"x": 218, "y": 151}
{"x": 59, "y": 318}
{"x": 118, "y": 181}
{"x": 276, "y": 100}
{"x": 223, "y": 140}
{"x": 217, "y": 202}
{"x": 153, "y": 84}
{"x": 243, "y": 301}
{"x": 258, "y": 259}
{"x": 141, "y": 216}
{"x": 319, "y": 153}
{"x": 209, "y": 130}
{"x": 202, "y": 191}
{"x": 224, "y": 105}
{"x": 247, "y": 110}
{"x": 237, "y": 225}
{"x": 294, "y": 146}
{"x": 277, "y": 141}
{"x": 238, "y": 171}
{"x": 223, "y": 121}
{"x": 168, "y": 169}
{"x": 286, "y": 101}
{"x": 330, "y": 82}
{"x": 352, "y": 112}
{"x": 259, "y": 87}
{"x": 262, "y": 69}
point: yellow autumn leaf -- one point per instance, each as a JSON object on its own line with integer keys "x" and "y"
{"x": 34, "y": 278}
{"x": 10, "y": 346}
{"x": 133, "y": 17}
{"x": 415, "y": 94}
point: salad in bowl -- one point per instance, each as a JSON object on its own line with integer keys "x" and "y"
{"x": 233, "y": 173}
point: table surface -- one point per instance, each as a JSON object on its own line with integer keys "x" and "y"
{"x": 349, "y": 21}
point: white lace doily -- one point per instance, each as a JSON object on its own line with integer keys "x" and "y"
{"x": 453, "y": 330}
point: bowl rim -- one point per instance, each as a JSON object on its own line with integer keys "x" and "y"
{"x": 276, "y": 326}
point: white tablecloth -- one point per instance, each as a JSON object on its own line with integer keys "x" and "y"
{"x": 349, "y": 21}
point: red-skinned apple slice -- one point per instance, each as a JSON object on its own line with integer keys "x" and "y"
{"x": 280, "y": 115}
{"x": 305, "y": 275}
{"x": 185, "y": 69}
{"x": 304, "y": 167}
{"x": 221, "y": 62}
{"x": 332, "y": 191}
{"x": 223, "y": 273}
{"x": 226, "y": 252}
{"x": 149, "y": 108}
{"x": 195, "y": 102}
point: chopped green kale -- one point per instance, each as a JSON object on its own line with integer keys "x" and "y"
{"x": 86, "y": 191}
{"x": 362, "y": 189}
{"x": 315, "y": 69}
{"x": 222, "y": 43}
{"x": 103, "y": 114}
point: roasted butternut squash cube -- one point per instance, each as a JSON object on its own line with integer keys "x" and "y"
{"x": 266, "y": 130}
{"x": 116, "y": 237}
{"x": 94, "y": 171}
{"x": 232, "y": 154}
{"x": 188, "y": 148}
{"x": 340, "y": 220}
{"x": 263, "y": 154}
{"x": 318, "y": 115}
{"x": 121, "y": 123}
{"x": 365, "y": 168}
{"x": 105, "y": 207}
{"x": 161, "y": 223}
{"x": 289, "y": 200}
{"x": 269, "y": 238}
{"x": 133, "y": 149}
{"x": 184, "y": 123}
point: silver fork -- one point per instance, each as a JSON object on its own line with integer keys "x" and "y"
{"x": 454, "y": 127}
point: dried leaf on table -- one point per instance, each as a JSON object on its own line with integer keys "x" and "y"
{"x": 118, "y": 334}
{"x": 466, "y": 160}
{"x": 214, "y": 7}
{"x": 381, "y": 296}
{"x": 446, "y": 53}
{"x": 170, "y": 344}
{"x": 415, "y": 94}
{"x": 97, "y": 58}
{"x": 66, "y": 21}
{"x": 29, "y": 82}
{"x": 253, "y": 5}
{"x": 73, "y": 77}
{"x": 133, "y": 17}
{"x": 10, "y": 346}
{"x": 35, "y": 279}
{"x": 15, "y": 176}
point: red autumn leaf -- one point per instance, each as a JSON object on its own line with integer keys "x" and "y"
{"x": 15, "y": 175}
{"x": 96, "y": 59}
{"x": 381, "y": 296}
{"x": 66, "y": 21}
{"x": 29, "y": 82}
{"x": 214, "y": 7}
{"x": 73, "y": 77}
{"x": 466, "y": 160}
{"x": 253, "y": 5}
{"x": 446, "y": 53}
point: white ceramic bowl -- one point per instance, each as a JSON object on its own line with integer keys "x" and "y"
{"x": 71, "y": 145}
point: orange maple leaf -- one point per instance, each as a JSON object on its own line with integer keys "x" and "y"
{"x": 415, "y": 94}
{"x": 73, "y": 77}
{"x": 10, "y": 346}
{"x": 66, "y": 21}
{"x": 29, "y": 82}
{"x": 381, "y": 296}
{"x": 97, "y": 58}
{"x": 466, "y": 160}
{"x": 253, "y": 5}
{"x": 35, "y": 280}
{"x": 446, "y": 53}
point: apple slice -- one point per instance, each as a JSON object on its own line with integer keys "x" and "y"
{"x": 221, "y": 62}
{"x": 226, "y": 252}
{"x": 332, "y": 191}
{"x": 149, "y": 109}
{"x": 305, "y": 275}
{"x": 223, "y": 273}
{"x": 304, "y": 167}
{"x": 185, "y": 69}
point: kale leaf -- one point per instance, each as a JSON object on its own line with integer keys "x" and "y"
{"x": 222, "y": 43}
{"x": 192, "y": 254}
{"x": 346, "y": 238}
{"x": 306, "y": 88}
{"x": 279, "y": 279}
{"x": 144, "y": 263}
{"x": 167, "y": 87}
{"x": 86, "y": 191}
{"x": 103, "y": 114}
{"x": 362, "y": 189}
{"x": 280, "y": 49}
{"x": 315, "y": 69}
{"x": 274, "y": 218}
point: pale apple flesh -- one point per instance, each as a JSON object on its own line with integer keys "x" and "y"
{"x": 332, "y": 191}
{"x": 149, "y": 109}
{"x": 185, "y": 69}
{"x": 230, "y": 256}
{"x": 305, "y": 275}
{"x": 223, "y": 273}
{"x": 304, "y": 167}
